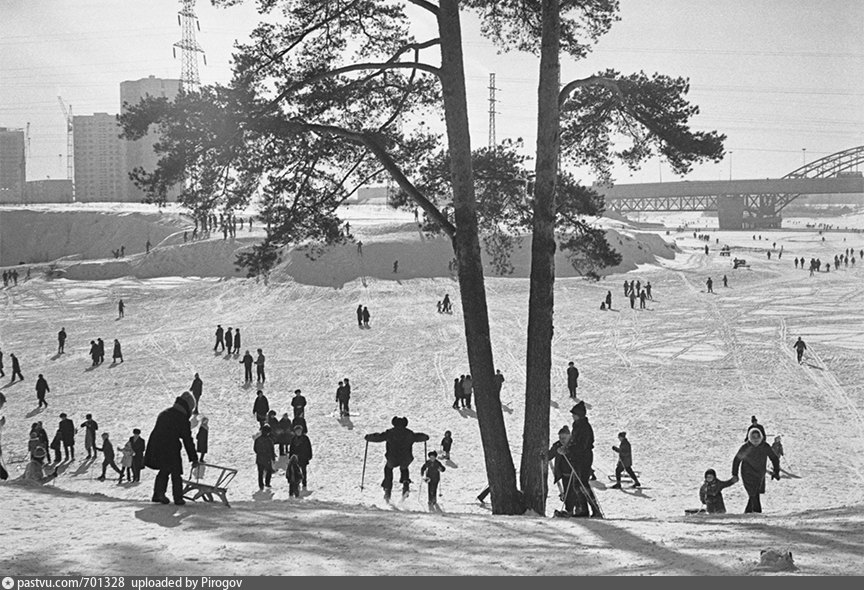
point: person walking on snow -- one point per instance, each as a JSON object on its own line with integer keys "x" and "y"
{"x": 121, "y": 308}
{"x": 229, "y": 340}
{"x": 579, "y": 451}
{"x": 261, "y": 407}
{"x": 301, "y": 447}
{"x": 446, "y": 445}
{"x": 237, "y": 341}
{"x": 163, "y": 448}
{"x": 572, "y": 379}
{"x": 711, "y": 492}
{"x": 67, "y": 437}
{"x": 431, "y": 473}
{"x": 467, "y": 390}
{"x": 201, "y": 438}
{"x": 642, "y": 297}
{"x": 100, "y": 344}
{"x": 16, "y": 368}
{"x": 725, "y": 281}
{"x": 264, "y": 457}
{"x": 457, "y": 392}
{"x": 366, "y": 317}
{"x": 108, "y": 457}
{"x": 752, "y": 459}
{"x": 625, "y": 461}
{"x": 61, "y": 340}
{"x": 259, "y": 366}
{"x": 220, "y": 344}
{"x": 710, "y": 284}
{"x": 41, "y": 389}
{"x": 608, "y": 299}
{"x": 117, "y": 353}
{"x": 648, "y": 290}
{"x": 247, "y": 361}
{"x": 360, "y": 316}
{"x": 399, "y": 441}
{"x": 633, "y": 298}
{"x": 138, "y": 447}
{"x": 800, "y": 347}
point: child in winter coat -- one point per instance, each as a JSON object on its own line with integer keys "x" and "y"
{"x": 126, "y": 462}
{"x": 108, "y": 460}
{"x": 201, "y": 438}
{"x": 711, "y": 492}
{"x": 432, "y": 470}
{"x": 446, "y": 444}
{"x": 294, "y": 475}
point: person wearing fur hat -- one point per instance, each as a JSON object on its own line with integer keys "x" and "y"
{"x": 711, "y": 492}
{"x": 163, "y": 448}
{"x": 625, "y": 461}
{"x": 752, "y": 458}
{"x": 579, "y": 451}
{"x": 398, "y": 453}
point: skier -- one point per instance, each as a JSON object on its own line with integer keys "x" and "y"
{"x": 572, "y": 379}
{"x": 121, "y": 308}
{"x": 301, "y": 447}
{"x": 446, "y": 445}
{"x": 90, "y": 427}
{"x": 261, "y": 407}
{"x": 399, "y": 441}
{"x": 196, "y": 388}
{"x": 237, "y": 341}
{"x": 229, "y": 340}
{"x": 219, "y": 343}
{"x": 163, "y": 448}
{"x": 201, "y": 438}
{"x": 264, "y": 457}
{"x": 711, "y": 492}
{"x": 67, "y": 436}
{"x": 579, "y": 451}
{"x": 625, "y": 461}
{"x": 108, "y": 457}
{"x": 710, "y": 284}
{"x": 61, "y": 340}
{"x": 799, "y": 347}
{"x": 259, "y": 366}
{"x": 16, "y": 368}
{"x": 298, "y": 402}
{"x": 431, "y": 473}
{"x": 41, "y": 389}
{"x": 246, "y": 361}
{"x": 365, "y": 317}
{"x": 360, "y": 316}
{"x": 117, "y": 353}
{"x": 752, "y": 458}
{"x": 138, "y": 446}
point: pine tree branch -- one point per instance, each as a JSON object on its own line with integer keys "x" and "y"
{"x": 609, "y": 83}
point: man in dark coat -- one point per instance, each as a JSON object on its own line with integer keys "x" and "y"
{"x": 343, "y": 395}
{"x": 301, "y": 446}
{"x": 625, "y": 461}
{"x": 799, "y": 347}
{"x": 398, "y": 453}
{"x": 219, "y": 342}
{"x": 90, "y": 427}
{"x": 360, "y": 316}
{"x": 259, "y": 366}
{"x": 366, "y": 317}
{"x": 138, "y": 447}
{"x": 41, "y": 389}
{"x": 752, "y": 458}
{"x": 572, "y": 379}
{"x": 61, "y": 340}
{"x": 196, "y": 388}
{"x": 298, "y": 402}
{"x": 101, "y": 344}
{"x": 261, "y": 407}
{"x": 264, "y": 456}
{"x": 67, "y": 436}
{"x": 247, "y": 361}
{"x": 16, "y": 367}
{"x": 608, "y": 299}
{"x": 229, "y": 340}
{"x": 237, "y": 341}
{"x": 579, "y": 451}
{"x": 163, "y": 448}
{"x": 283, "y": 433}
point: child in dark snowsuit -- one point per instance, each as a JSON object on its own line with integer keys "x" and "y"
{"x": 294, "y": 475}
{"x": 446, "y": 444}
{"x": 711, "y": 492}
{"x": 432, "y": 469}
{"x": 201, "y": 438}
{"x": 108, "y": 457}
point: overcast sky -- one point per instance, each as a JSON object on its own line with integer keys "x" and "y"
{"x": 776, "y": 76}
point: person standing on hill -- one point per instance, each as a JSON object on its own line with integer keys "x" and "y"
{"x": 398, "y": 453}
{"x": 572, "y": 379}
{"x": 360, "y": 316}
{"x": 457, "y": 392}
{"x": 467, "y": 390}
{"x": 626, "y": 289}
{"x": 201, "y": 438}
{"x": 261, "y": 407}
{"x": 301, "y": 447}
{"x": 625, "y": 461}
{"x": 431, "y": 472}
{"x": 94, "y": 353}
{"x": 121, "y": 308}
{"x": 648, "y": 290}
{"x": 642, "y": 297}
{"x": 41, "y": 389}
{"x": 2, "y": 374}
{"x": 725, "y": 281}
{"x": 366, "y": 317}
{"x": 219, "y": 343}
{"x": 298, "y": 402}
{"x": 163, "y": 448}
{"x": 147, "y": 247}
{"x": 608, "y": 299}
{"x": 752, "y": 458}
{"x": 259, "y": 366}
{"x": 90, "y": 427}
{"x": 117, "y": 353}
{"x": 264, "y": 456}
{"x": 16, "y": 368}
{"x": 138, "y": 447}
{"x": 237, "y": 341}
{"x": 247, "y": 361}
{"x": 633, "y": 298}
{"x": 799, "y": 347}
{"x": 499, "y": 382}
{"x": 67, "y": 437}
{"x": 196, "y": 388}
{"x": 579, "y": 452}
{"x": 710, "y": 284}
{"x": 61, "y": 341}
{"x": 101, "y": 346}
{"x": 229, "y": 340}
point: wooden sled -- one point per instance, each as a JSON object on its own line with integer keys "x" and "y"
{"x": 207, "y": 485}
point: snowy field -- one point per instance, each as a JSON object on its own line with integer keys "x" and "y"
{"x": 682, "y": 378}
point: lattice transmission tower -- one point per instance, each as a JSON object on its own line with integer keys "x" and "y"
{"x": 492, "y": 113}
{"x": 188, "y": 21}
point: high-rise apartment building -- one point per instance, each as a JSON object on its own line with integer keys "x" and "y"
{"x": 13, "y": 169}
{"x": 140, "y": 153}
{"x": 100, "y": 158}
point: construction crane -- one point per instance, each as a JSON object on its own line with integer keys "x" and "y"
{"x": 70, "y": 145}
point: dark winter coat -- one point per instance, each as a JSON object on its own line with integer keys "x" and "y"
{"x": 560, "y": 467}
{"x": 41, "y": 387}
{"x": 753, "y": 462}
{"x": 579, "y": 448}
{"x": 446, "y": 444}
{"x": 196, "y": 387}
{"x": 711, "y": 494}
{"x": 342, "y": 394}
{"x": 107, "y": 450}
{"x": 164, "y": 444}
{"x": 236, "y": 340}
{"x": 302, "y": 447}
{"x": 298, "y": 401}
{"x": 247, "y": 361}
{"x": 67, "y": 432}
{"x": 264, "y": 453}
{"x": 138, "y": 447}
{"x": 201, "y": 440}
{"x": 625, "y": 453}
{"x": 433, "y": 470}
{"x": 55, "y": 442}
{"x": 262, "y": 406}
{"x": 282, "y": 433}
{"x": 572, "y": 376}
{"x": 301, "y": 422}
{"x": 16, "y": 368}
{"x": 90, "y": 427}
{"x": 116, "y": 354}
{"x": 400, "y": 441}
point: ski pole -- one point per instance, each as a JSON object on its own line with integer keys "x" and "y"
{"x": 588, "y": 494}
{"x": 363, "y": 476}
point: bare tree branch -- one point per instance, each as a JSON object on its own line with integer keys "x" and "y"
{"x": 426, "y": 5}
{"x": 589, "y": 81}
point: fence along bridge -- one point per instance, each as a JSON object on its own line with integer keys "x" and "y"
{"x": 743, "y": 204}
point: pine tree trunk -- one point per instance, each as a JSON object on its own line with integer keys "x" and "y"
{"x": 535, "y": 436}
{"x": 500, "y": 470}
